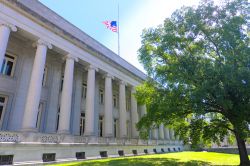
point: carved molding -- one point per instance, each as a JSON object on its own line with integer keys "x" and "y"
{"x": 9, "y": 137}
{"x": 51, "y": 138}
{"x": 8, "y": 25}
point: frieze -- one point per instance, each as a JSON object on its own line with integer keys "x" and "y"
{"x": 9, "y": 137}
{"x": 79, "y": 139}
{"x": 51, "y": 138}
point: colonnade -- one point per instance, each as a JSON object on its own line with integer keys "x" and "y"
{"x": 35, "y": 88}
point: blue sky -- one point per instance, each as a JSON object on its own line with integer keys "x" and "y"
{"x": 135, "y": 15}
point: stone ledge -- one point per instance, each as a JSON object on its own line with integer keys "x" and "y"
{"x": 42, "y": 138}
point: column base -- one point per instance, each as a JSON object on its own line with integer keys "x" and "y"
{"x": 65, "y": 132}
{"x": 29, "y": 130}
{"x": 135, "y": 137}
{"x": 89, "y": 134}
{"x": 108, "y": 136}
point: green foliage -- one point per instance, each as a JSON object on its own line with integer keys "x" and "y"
{"x": 199, "y": 60}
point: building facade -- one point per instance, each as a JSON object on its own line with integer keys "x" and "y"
{"x": 63, "y": 94}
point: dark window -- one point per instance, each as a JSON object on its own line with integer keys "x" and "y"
{"x": 121, "y": 152}
{"x": 103, "y": 154}
{"x": 84, "y": 91}
{"x": 8, "y": 65}
{"x": 134, "y": 152}
{"x": 61, "y": 86}
{"x": 179, "y": 149}
{"x": 154, "y": 150}
{"x": 47, "y": 157}
{"x": 174, "y": 149}
{"x": 101, "y": 96}
{"x": 80, "y": 155}
{"x": 169, "y": 150}
{"x": 100, "y": 126}
{"x": 3, "y": 102}
{"x": 115, "y": 133}
{"x": 1, "y": 111}
{"x": 6, "y": 159}
{"x": 162, "y": 150}
{"x": 146, "y": 151}
{"x": 82, "y": 123}
{"x": 57, "y": 120}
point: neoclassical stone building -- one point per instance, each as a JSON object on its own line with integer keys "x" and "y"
{"x": 63, "y": 95}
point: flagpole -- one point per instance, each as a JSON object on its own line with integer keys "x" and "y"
{"x": 118, "y": 21}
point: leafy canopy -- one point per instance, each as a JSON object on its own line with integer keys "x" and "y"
{"x": 199, "y": 65}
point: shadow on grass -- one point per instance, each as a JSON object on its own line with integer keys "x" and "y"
{"x": 143, "y": 162}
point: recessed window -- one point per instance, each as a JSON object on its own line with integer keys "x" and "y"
{"x": 127, "y": 104}
{"x": 100, "y": 126}
{"x": 115, "y": 101}
{"x": 6, "y": 159}
{"x": 134, "y": 152}
{"x": 3, "y": 103}
{"x": 80, "y": 155}
{"x": 61, "y": 86}
{"x": 103, "y": 154}
{"x": 8, "y": 65}
{"x": 115, "y": 128}
{"x": 101, "y": 96}
{"x": 154, "y": 150}
{"x": 84, "y": 91}
{"x": 47, "y": 157}
{"x": 120, "y": 152}
{"x": 57, "y": 119}
{"x": 45, "y": 73}
{"x": 82, "y": 123}
{"x": 39, "y": 116}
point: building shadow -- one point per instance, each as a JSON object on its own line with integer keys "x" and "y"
{"x": 143, "y": 162}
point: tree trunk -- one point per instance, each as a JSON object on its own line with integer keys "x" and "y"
{"x": 244, "y": 160}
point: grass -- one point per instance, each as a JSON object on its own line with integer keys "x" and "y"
{"x": 169, "y": 159}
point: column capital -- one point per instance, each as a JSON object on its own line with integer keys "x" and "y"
{"x": 107, "y": 75}
{"x": 91, "y": 67}
{"x": 69, "y": 56}
{"x": 12, "y": 27}
{"x": 42, "y": 42}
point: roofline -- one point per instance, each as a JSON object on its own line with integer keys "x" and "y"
{"x": 102, "y": 52}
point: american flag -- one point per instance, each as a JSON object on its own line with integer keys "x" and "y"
{"x": 112, "y": 25}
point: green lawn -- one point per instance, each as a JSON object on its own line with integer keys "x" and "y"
{"x": 169, "y": 159}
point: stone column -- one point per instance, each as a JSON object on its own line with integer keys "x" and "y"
{"x": 161, "y": 132}
{"x": 155, "y": 133}
{"x": 122, "y": 110}
{"x": 134, "y": 114}
{"x": 143, "y": 110}
{"x": 51, "y": 117}
{"x": 108, "y": 107}
{"x": 166, "y": 133}
{"x": 5, "y": 29}
{"x": 65, "y": 107}
{"x": 35, "y": 87}
{"x": 89, "y": 129}
{"x": 76, "y": 112}
{"x": 172, "y": 134}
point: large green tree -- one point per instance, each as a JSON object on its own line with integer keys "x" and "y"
{"x": 198, "y": 63}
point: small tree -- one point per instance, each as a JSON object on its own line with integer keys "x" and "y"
{"x": 199, "y": 61}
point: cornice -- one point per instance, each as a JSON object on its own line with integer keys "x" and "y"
{"x": 41, "y": 20}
